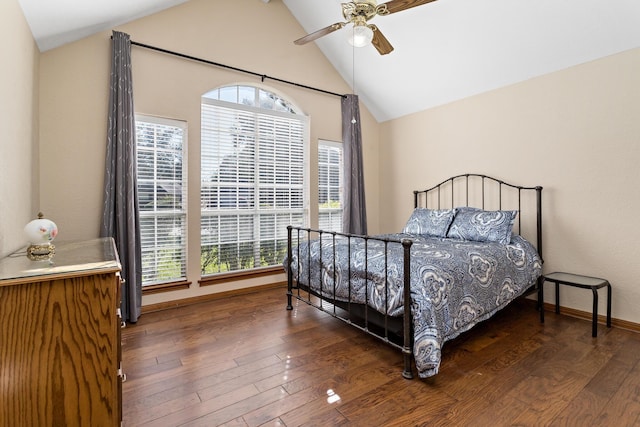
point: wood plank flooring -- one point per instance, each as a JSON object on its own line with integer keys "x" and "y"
{"x": 246, "y": 361}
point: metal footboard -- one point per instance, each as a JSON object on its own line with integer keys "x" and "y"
{"x": 380, "y": 325}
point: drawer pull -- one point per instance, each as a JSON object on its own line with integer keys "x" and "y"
{"x": 123, "y": 324}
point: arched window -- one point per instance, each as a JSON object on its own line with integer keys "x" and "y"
{"x": 254, "y": 151}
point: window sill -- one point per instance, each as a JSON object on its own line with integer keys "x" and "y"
{"x": 220, "y": 278}
{"x": 165, "y": 287}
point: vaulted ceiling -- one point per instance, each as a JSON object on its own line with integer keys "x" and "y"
{"x": 444, "y": 51}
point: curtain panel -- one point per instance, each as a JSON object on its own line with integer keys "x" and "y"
{"x": 354, "y": 214}
{"x": 120, "y": 218}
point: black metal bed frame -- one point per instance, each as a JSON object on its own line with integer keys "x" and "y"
{"x": 398, "y": 331}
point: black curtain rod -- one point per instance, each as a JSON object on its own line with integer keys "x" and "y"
{"x": 262, "y": 76}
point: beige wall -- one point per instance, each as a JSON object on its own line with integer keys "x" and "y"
{"x": 18, "y": 121}
{"x": 245, "y": 34}
{"x": 575, "y": 132}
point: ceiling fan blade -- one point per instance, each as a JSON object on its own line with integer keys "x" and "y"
{"x": 394, "y": 6}
{"x": 380, "y": 42}
{"x": 322, "y": 32}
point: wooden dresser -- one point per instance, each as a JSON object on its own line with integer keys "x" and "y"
{"x": 60, "y": 362}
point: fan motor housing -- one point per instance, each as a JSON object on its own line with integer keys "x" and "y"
{"x": 366, "y": 9}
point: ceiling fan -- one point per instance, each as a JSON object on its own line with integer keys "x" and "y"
{"x": 358, "y": 13}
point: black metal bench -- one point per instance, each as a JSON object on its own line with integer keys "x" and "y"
{"x": 578, "y": 281}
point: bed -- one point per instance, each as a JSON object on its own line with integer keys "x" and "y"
{"x": 471, "y": 245}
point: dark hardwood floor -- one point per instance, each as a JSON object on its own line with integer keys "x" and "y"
{"x": 246, "y": 361}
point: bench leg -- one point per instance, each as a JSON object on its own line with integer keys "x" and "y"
{"x": 594, "y": 332}
{"x": 608, "y": 305}
{"x": 541, "y": 300}
{"x": 557, "y": 298}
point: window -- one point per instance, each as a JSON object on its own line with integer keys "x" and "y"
{"x": 162, "y": 198}
{"x": 253, "y": 177}
{"x": 330, "y": 186}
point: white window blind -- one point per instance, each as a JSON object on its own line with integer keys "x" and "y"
{"x": 253, "y": 181}
{"x": 162, "y": 197}
{"x": 330, "y": 181}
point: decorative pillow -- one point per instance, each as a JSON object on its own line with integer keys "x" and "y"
{"x": 482, "y": 226}
{"x": 429, "y": 222}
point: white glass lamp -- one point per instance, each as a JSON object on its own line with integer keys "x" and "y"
{"x": 41, "y": 233}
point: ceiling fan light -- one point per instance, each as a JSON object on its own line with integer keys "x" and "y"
{"x": 360, "y": 36}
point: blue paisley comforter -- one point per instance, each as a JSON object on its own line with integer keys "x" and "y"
{"x": 455, "y": 284}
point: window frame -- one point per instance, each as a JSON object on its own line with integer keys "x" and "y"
{"x": 332, "y": 212}
{"x": 173, "y": 282}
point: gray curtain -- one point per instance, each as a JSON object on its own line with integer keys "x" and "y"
{"x": 354, "y": 215}
{"x": 120, "y": 218}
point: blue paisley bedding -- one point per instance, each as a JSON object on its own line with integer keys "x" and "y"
{"x": 455, "y": 284}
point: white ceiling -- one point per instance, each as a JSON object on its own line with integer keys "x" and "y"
{"x": 444, "y": 51}
{"x": 56, "y": 22}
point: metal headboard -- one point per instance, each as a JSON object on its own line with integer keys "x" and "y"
{"x": 484, "y": 192}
